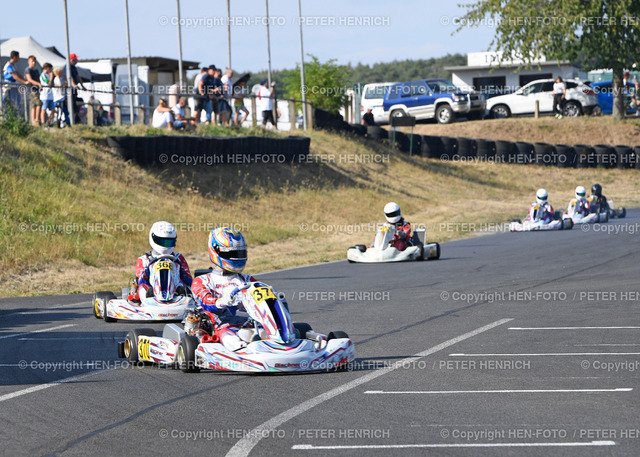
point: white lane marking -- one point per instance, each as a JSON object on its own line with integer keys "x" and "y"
{"x": 29, "y": 390}
{"x": 244, "y": 446}
{"x": 311, "y": 447}
{"x": 574, "y": 328}
{"x": 546, "y": 354}
{"x": 606, "y": 344}
{"x": 500, "y": 391}
{"x": 37, "y": 331}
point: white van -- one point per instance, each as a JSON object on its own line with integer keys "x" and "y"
{"x": 372, "y": 97}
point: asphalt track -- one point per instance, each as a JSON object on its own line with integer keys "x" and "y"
{"x": 511, "y": 344}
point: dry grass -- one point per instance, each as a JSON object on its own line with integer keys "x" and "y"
{"x": 291, "y": 214}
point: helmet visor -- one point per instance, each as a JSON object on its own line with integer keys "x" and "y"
{"x": 393, "y": 214}
{"x": 542, "y": 198}
{"x": 232, "y": 253}
{"x": 164, "y": 242}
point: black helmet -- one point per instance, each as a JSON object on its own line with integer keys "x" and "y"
{"x": 596, "y": 190}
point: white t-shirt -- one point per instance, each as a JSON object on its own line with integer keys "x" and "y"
{"x": 59, "y": 91}
{"x": 264, "y": 101}
{"x": 226, "y": 86}
{"x": 179, "y": 111}
{"x": 46, "y": 93}
{"x": 558, "y": 88}
{"x": 160, "y": 119}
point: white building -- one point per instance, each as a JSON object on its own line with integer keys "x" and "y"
{"x": 484, "y": 72}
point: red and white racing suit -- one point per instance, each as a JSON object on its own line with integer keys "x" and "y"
{"x": 402, "y": 236}
{"x": 142, "y": 269}
{"x": 545, "y": 214}
{"x": 213, "y": 291}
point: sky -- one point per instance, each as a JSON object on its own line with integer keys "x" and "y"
{"x": 350, "y": 31}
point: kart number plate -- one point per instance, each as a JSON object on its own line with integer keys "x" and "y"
{"x": 384, "y": 228}
{"x": 143, "y": 349}
{"x": 163, "y": 265}
{"x": 262, "y": 293}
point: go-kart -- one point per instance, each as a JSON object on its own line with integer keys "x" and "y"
{"x": 596, "y": 205}
{"x": 579, "y": 218}
{"x": 382, "y": 249}
{"x": 534, "y": 222}
{"x": 272, "y": 342}
{"x": 170, "y": 300}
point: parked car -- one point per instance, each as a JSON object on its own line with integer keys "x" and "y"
{"x": 432, "y": 98}
{"x": 373, "y": 97}
{"x": 580, "y": 99}
{"x": 604, "y": 90}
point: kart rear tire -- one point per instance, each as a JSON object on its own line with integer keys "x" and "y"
{"x": 130, "y": 349}
{"x": 301, "y": 329}
{"x": 606, "y": 216}
{"x": 558, "y": 215}
{"x": 437, "y": 256}
{"x": 100, "y": 300}
{"x": 337, "y": 334}
{"x": 622, "y": 213}
{"x": 186, "y": 354}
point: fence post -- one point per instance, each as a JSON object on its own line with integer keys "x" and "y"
{"x": 117, "y": 114}
{"x": 275, "y": 110}
{"x": 537, "y": 109}
{"x": 292, "y": 114}
{"x": 27, "y": 102}
{"x": 309, "y": 108}
{"x": 90, "y": 118}
{"x": 254, "y": 113}
{"x": 141, "y": 114}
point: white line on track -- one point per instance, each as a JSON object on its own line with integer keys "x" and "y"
{"x": 606, "y": 344}
{"x": 244, "y": 446}
{"x": 501, "y": 391}
{"x": 36, "y": 331}
{"x": 311, "y": 447}
{"x": 542, "y": 354}
{"x": 29, "y": 390}
{"x": 574, "y": 328}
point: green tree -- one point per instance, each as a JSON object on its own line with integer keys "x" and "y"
{"x": 605, "y": 33}
{"x": 325, "y": 84}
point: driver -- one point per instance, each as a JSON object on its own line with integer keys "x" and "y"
{"x": 582, "y": 204}
{"x": 403, "y": 229}
{"x": 215, "y": 290}
{"x": 162, "y": 238}
{"x": 598, "y": 201}
{"x": 545, "y": 213}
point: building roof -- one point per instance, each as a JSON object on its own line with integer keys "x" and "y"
{"x": 154, "y": 62}
{"x": 493, "y": 67}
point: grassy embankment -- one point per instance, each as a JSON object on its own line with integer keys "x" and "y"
{"x": 101, "y": 208}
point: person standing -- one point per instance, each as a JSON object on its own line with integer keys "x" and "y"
{"x": 74, "y": 83}
{"x": 33, "y": 78}
{"x": 559, "y": 93}
{"x": 60, "y": 97}
{"x": 227, "y": 86}
{"x": 10, "y": 73}
{"x": 198, "y": 98}
{"x": 265, "y": 103}
{"x": 46, "y": 94}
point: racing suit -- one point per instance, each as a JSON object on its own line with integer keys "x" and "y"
{"x": 142, "y": 270}
{"x": 582, "y": 206}
{"x": 545, "y": 213}
{"x": 599, "y": 204}
{"x": 403, "y": 235}
{"x": 213, "y": 292}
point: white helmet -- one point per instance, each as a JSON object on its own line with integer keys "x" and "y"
{"x": 162, "y": 237}
{"x": 581, "y": 192}
{"x": 541, "y": 196}
{"x": 392, "y": 212}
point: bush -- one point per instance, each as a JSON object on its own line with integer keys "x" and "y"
{"x": 14, "y": 123}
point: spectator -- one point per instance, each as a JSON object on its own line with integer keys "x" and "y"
{"x": 10, "y": 73}
{"x": 206, "y": 88}
{"x": 102, "y": 117}
{"x": 46, "y": 94}
{"x": 219, "y": 106}
{"x": 162, "y": 116}
{"x": 265, "y": 103}
{"x": 198, "y": 98}
{"x": 75, "y": 82}
{"x": 225, "y": 102}
{"x": 559, "y": 92}
{"x": 60, "y": 97}
{"x": 635, "y": 98}
{"x": 33, "y": 78}
{"x": 179, "y": 115}
{"x": 238, "y": 97}
{"x": 367, "y": 118}
{"x": 174, "y": 90}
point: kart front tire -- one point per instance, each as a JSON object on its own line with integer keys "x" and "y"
{"x": 361, "y": 247}
{"x": 100, "y": 305}
{"x": 186, "y": 354}
{"x": 301, "y": 329}
{"x": 130, "y": 349}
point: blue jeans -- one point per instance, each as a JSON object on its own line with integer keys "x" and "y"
{"x": 208, "y": 108}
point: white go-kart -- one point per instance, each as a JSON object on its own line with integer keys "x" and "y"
{"x": 383, "y": 250}
{"x": 534, "y": 222}
{"x": 269, "y": 341}
{"x": 580, "y": 218}
{"x": 170, "y": 301}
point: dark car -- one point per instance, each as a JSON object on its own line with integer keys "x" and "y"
{"x": 604, "y": 89}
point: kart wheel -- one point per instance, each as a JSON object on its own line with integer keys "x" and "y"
{"x": 436, "y": 256}
{"x": 604, "y": 217}
{"x": 186, "y": 355}
{"x": 337, "y": 334}
{"x": 622, "y": 213}
{"x": 361, "y": 247}
{"x": 518, "y": 221}
{"x": 100, "y": 305}
{"x": 301, "y": 329}
{"x": 558, "y": 215}
{"x": 130, "y": 349}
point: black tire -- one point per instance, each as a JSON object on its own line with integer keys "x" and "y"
{"x": 301, "y": 329}
{"x": 186, "y": 354}
{"x": 130, "y": 350}
{"x": 572, "y": 109}
{"x": 558, "y": 215}
{"x": 444, "y": 114}
{"x": 100, "y": 300}
{"x": 500, "y": 112}
{"x": 623, "y": 213}
{"x": 361, "y": 247}
{"x": 437, "y": 252}
{"x": 337, "y": 334}
{"x": 518, "y": 221}
{"x": 397, "y": 113}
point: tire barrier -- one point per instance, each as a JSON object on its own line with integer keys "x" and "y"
{"x": 544, "y": 154}
{"x": 376, "y": 133}
{"x": 585, "y": 156}
{"x": 636, "y": 158}
{"x": 505, "y": 151}
{"x": 565, "y": 156}
{"x": 467, "y": 147}
{"x": 625, "y": 156}
{"x": 485, "y": 149}
{"x": 449, "y": 147}
{"x": 525, "y": 153}
{"x": 605, "y": 156}
{"x": 188, "y": 150}
{"x": 431, "y": 147}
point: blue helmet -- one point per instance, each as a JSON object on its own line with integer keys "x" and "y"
{"x": 227, "y": 249}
